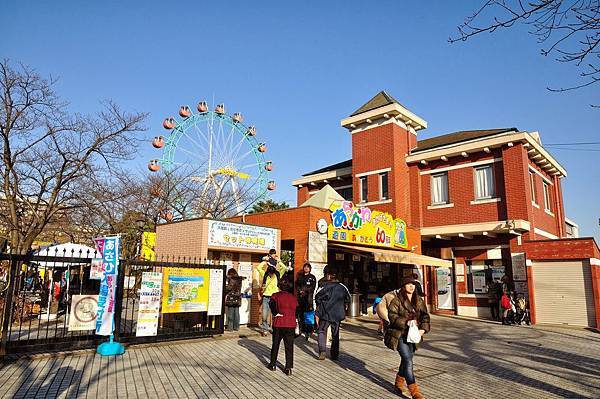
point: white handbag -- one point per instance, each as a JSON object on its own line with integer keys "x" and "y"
{"x": 414, "y": 336}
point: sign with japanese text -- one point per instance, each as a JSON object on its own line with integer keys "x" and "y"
{"x": 149, "y": 305}
{"x": 361, "y": 225}
{"x": 215, "y": 293}
{"x": 241, "y": 236}
{"x": 185, "y": 290}
{"x": 108, "y": 247}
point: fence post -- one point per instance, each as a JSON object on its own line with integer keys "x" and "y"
{"x": 8, "y": 305}
{"x": 119, "y": 299}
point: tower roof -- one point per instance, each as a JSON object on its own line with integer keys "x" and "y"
{"x": 380, "y": 99}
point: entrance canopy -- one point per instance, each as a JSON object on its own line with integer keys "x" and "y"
{"x": 391, "y": 256}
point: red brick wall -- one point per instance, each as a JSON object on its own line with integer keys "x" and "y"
{"x": 302, "y": 195}
{"x": 516, "y": 177}
{"x": 461, "y": 188}
{"x": 380, "y": 148}
{"x": 568, "y": 248}
{"x": 540, "y": 218}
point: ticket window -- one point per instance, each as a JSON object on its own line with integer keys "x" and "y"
{"x": 481, "y": 273}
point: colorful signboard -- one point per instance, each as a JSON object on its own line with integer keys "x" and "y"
{"x": 84, "y": 309}
{"x": 241, "y": 236}
{"x": 149, "y": 305}
{"x": 361, "y": 225}
{"x": 109, "y": 248}
{"x": 185, "y": 290}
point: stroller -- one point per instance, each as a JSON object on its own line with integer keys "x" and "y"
{"x": 521, "y": 314}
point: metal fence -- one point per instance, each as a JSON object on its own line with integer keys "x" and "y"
{"x": 36, "y": 294}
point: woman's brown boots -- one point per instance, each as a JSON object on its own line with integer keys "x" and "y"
{"x": 400, "y": 385}
{"x": 414, "y": 391}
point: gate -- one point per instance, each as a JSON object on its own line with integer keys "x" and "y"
{"x": 36, "y": 298}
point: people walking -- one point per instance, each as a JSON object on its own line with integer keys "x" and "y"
{"x": 283, "y": 305}
{"x": 233, "y": 299}
{"x": 306, "y": 284}
{"x": 397, "y": 308}
{"x": 332, "y": 301}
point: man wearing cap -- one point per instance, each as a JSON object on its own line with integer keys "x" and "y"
{"x": 332, "y": 301}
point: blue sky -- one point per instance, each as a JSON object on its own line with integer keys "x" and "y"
{"x": 295, "y": 69}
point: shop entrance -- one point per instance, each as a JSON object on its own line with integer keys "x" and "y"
{"x": 363, "y": 275}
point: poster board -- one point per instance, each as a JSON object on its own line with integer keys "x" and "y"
{"x": 83, "y": 313}
{"x": 519, "y": 270}
{"x": 245, "y": 270}
{"x": 96, "y": 269}
{"x": 317, "y": 247}
{"x": 185, "y": 290}
{"x": 215, "y": 293}
{"x": 149, "y": 304}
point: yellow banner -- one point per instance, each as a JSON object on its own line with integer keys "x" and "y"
{"x": 361, "y": 225}
{"x": 185, "y": 290}
{"x": 148, "y": 243}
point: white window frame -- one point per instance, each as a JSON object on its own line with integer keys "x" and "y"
{"x": 363, "y": 186}
{"x": 447, "y": 199}
{"x": 547, "y": 202}
{"x": 381, "y": 196}
{"x": 533, "y": 190}
{"x": 493, "y": 190}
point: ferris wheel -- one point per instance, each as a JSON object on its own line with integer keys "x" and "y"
{"x": 216, "y": 161}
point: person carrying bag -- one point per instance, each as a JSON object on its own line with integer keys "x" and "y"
{"x": 406, "y": 320}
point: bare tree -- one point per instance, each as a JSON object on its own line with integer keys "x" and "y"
{"x": 569, "y": 29}
{"x": 47, "y": 151}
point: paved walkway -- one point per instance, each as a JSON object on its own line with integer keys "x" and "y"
{"x": 460, "y": 359}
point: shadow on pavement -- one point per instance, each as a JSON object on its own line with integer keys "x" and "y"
{"x": 488, "y": 363}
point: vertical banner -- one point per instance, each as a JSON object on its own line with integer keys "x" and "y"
{"x": 215, "y": 292}
{"x": 109, "y": 248}
{"x": 149, "y": 307}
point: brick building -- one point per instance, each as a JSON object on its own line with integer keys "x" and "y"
{"x": 489, "y": 200}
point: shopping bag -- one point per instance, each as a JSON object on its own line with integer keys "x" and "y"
{"x": 309, "y": 317}
{"x": 414, "y": 336}
{"x": 297, "y": 330}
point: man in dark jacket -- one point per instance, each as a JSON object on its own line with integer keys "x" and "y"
{"x": 332, "y": 301}
{"x": 306, "y": 284}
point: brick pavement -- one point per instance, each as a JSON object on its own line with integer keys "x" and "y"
{"x": 461, "y": 358}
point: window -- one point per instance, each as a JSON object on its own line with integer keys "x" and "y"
{"x": 364, "y": 189}
{"x": 439, "y": 189}
{"x": 484, "y": 183}
{"x": 547, "y": 203}
{"x": 532, "y": 182}
{"x": 383, "y": 179}
{"x": 346, "y": 193}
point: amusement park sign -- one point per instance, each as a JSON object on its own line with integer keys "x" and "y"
{"x": 241, "y": 236}
{"x": 361, "y": 225}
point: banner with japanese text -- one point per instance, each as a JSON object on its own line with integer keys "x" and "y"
{"x": 361, "y": 225}
{"x": 108, "y": 247}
